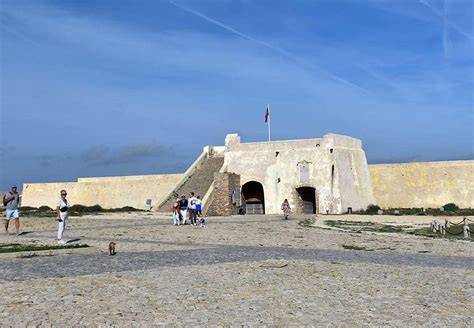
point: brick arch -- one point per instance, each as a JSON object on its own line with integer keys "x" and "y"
{"x": 305, "y": 197}
{"x": 250, "y": 179}
{"x": 302, "y": 185}
{"x": 253, "y": 196}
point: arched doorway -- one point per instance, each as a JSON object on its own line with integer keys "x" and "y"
{"x": 253, "y": 197}
{"x": 307, "y": 200}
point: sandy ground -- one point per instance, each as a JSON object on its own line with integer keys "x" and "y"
{"x": 242, "y": 270}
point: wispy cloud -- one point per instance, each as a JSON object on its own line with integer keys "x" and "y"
{"x": 6, "y": 149}
{"x": 103, "y": 83}
{"x": 445, "y": 30}
{"x": 102, "y": 155}
{"x": 279, "y": 50}
{"x": 445, "y": 19}
{"x": 18, "y": 33}
{"x": 95, "y": 154}
{"x": 49, "y": 160}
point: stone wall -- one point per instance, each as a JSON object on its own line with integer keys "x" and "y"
{"x": 221, "y": 202}
{"x": 429, "y": 185}
{"x": 108, "y": 192}
{"x": 334, "y": 165}
{"x": 297, "y": 204}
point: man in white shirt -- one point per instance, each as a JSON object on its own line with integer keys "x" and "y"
{"x": 192, "y": 208}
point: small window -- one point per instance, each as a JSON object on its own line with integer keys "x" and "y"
{"x": 277, "y": 153}
{"x": 304, "y": 172}
{"x": 331, "y": 150}
{"x": 318, "y": 145}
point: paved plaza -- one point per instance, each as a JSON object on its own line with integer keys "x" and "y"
{"x": 240, "y": 270}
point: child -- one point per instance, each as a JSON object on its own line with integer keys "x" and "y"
{"x": 198, "y": 204}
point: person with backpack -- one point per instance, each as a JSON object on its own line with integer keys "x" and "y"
{"x": 11, "y": 201}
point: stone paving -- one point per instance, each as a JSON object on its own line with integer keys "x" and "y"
{"x": 250, "y": 270}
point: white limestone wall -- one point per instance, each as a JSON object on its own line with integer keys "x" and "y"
{"x": 280, "y": 175}
{"x": 108, "y": 192}
{"x": 428, "y": 184}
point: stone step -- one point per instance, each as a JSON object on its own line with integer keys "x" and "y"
{"x": 199, "y": 182}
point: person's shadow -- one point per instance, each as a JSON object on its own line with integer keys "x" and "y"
{"x": 73, "y": 240}
{"x": 24, "y": 233}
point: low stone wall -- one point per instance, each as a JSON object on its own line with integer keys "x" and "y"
{"x": 429, "y": 185}
{"x": 108, "y": 192}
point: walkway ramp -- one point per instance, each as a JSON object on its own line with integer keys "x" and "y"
{"x": 199, "y": 181}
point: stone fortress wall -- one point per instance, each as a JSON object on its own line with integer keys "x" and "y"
{"x": 108, "y": 192}
{"x": 333, "y": 169}
{"x": 428, "y": 184}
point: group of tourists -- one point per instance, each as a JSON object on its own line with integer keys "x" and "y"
{"x": 183, "y": 206}
{"x": 11, "y": 202}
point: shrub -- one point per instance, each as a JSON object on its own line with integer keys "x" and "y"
{"x": 28, "y": 208}
{"x": 44, "y": 208}
{"x": 373, "y": 208}
{"x": 85, "y": 209}
{"x": 127, "y": 209}
{"x": 451, "y": 207}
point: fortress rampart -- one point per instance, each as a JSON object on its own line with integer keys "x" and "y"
{"x": 321, "y": 175}
{"x": 428, "y": 184}
{"x": 108, "y": 192}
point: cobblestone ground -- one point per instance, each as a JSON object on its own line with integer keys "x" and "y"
{"x": 251, "y": 270}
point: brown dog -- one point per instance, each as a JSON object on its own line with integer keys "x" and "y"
{"x": 112, "y": 248}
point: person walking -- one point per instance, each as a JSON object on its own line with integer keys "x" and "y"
{"x": 62, "y": 215}
{"x": 285, "y": 207}
{"x": 192, "y": 208}
{"x": 11, "y": 202}
{"x": 183, "y": 206}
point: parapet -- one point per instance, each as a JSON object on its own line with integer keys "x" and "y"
{"x": 341, "y": 141}
{"x": 330, "y": 140}
{"x": 231, "y": 141}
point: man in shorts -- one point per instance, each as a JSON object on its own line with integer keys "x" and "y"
{"x": 11, "y": 201}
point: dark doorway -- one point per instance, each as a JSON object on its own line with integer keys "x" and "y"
{"x": 254, "y": 200}
{"x": 307, "y": 199}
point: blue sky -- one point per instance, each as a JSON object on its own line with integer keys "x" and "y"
{"x": 97, "y": 88}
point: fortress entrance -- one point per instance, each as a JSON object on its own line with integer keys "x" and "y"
{"x": 306, "y": 202}
{"x": 253, "y": 198}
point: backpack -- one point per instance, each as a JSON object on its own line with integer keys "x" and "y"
{"x": 5, "y": 202}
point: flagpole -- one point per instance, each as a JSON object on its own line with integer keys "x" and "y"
{"x": 269, "y": 128}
